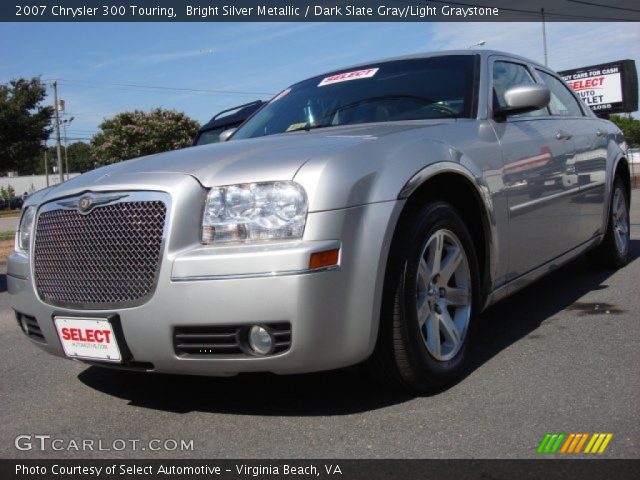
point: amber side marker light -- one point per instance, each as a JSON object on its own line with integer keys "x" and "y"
{"x": 328, "y": 258}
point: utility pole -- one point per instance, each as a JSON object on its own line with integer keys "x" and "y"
{"x": 544, "y": 37}
{"x": 66, "y": 158}
{"x": 55, "y": 100}
{"x": 46, "y": 164}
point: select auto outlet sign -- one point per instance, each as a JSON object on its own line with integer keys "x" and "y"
{"x": 606, "y": 88}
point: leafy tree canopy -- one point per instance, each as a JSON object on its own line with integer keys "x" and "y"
{"x": 630, "y": 127}
{"x": 137, "y": 133}
{"x": 24, "y": 124}
{"x": 79, "y": 157}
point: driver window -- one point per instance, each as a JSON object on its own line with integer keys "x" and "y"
{"x": 507, "y": 75}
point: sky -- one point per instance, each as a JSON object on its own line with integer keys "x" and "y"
{"x": 242, "y": 62}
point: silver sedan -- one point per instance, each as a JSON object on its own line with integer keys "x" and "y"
{"x": 366, "y": 215}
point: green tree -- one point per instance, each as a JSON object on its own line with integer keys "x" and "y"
{"x": 79, "y": 157}
{"x": 133, "y": 134}
{"x": 24, "y": 124}
{"x": 630, "y": 127}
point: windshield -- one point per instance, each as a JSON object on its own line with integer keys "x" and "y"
{"x": 428, "y": 88}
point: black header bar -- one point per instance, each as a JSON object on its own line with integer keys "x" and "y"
{"x": 318, "y": 11}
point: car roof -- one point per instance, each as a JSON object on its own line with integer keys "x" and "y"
{"x": 479, "y": 51}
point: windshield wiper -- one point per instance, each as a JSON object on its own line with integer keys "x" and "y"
{"x": 307, "y": 127}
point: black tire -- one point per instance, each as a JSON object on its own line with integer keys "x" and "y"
{"x": 401, "y": 358}
{"x": 608, "y": 255}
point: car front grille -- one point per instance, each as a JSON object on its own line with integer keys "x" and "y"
{"x": 592, "y": 165}
{"x": 225, "y": 340}
{"x": 102, "y": 259}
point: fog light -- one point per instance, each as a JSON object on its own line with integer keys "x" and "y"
{"x": 260, "y": 340}
{"x": 23, "y": 324}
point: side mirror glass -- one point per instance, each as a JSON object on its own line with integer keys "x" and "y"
{"x": 525, "y": 98}
{"x": 225, "y": 135}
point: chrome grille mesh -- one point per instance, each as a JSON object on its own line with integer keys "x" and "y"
{"x": 105, "y": 258}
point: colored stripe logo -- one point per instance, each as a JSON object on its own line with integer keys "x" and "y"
{"x": 572, "y": 443}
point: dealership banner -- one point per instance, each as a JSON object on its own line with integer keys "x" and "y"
{"x": 606, "y": 88}
{"x": 584, "y": 469}
{"x": 317, "y": 11}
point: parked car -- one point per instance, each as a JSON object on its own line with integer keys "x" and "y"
{"x": 225, "y": 120}
{"x": 17, "y": 202}
{"x": 13, "y": 203}
{"x": 363, "y": 215}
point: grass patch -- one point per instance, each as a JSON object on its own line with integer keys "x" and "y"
{"x": 9, "y": 213}
{"x": 8, "y": 235}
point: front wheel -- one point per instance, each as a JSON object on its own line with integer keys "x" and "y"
{"x": 613, "y": 252}
{"x": 430, "y": 302}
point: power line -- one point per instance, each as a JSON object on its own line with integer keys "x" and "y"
{"x": 77, "y": 139}
{"x": 604, "y": 6}
{"x": 127, "y": 86}
{"x": 88, "y": 114}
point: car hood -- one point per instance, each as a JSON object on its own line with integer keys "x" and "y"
{"x": 275, "y": 157}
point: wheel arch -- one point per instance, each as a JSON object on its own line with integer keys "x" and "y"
{"x": 622, "y": 168}
{"x": 453, "y": 183}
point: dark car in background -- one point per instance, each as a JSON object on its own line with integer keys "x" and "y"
{"x": 224, "y": 120}
{"x": 13, "y": 204}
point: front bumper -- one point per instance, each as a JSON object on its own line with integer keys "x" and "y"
{"x": 333, "y": 313}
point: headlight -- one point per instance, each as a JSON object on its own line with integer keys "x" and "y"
{"x": 254, "y": 211}
{"x": 23, "y": 236}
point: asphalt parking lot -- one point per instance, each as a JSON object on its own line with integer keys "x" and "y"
{"x": 9, "y": 223}
{"x": 560, "y": 356}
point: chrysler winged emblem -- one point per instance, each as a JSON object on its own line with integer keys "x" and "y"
{"x": 84, "y": 204}
{"x": 87, "y": 202}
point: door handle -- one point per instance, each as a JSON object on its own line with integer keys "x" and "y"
{"x": 560, "y": 135}
{"x": 600, "y": 133}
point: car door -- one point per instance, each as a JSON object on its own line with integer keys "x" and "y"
{"x": 536, "y": 149}
{"x": 587, "y": 169}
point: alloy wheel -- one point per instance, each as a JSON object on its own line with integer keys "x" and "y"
{"x": 443, "y": 286}
{"x": 620, "y": 221}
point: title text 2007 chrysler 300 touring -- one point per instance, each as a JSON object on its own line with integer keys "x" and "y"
{"x": 367, "y": 214}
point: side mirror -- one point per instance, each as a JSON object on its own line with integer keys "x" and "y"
{"x": 523, "y": 99}
{"x": 225, "y": 135}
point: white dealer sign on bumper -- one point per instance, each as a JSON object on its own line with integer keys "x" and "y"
{"x": 88, "y": 338}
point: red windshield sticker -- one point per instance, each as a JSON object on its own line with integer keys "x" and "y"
{"x": 345, "y": 77}
{"x": 280, "y": 95}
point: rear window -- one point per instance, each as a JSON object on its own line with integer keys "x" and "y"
{"x": 210, "y": 136}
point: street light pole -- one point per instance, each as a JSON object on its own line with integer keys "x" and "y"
{"x": 46, "y": 163}
{"x": 544, "y": 37}
{"x": 57, "y": 113}
{"x": 481, "y": 43}
{"x": 65, "y": 122}
{"x": 66, "y": 158}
